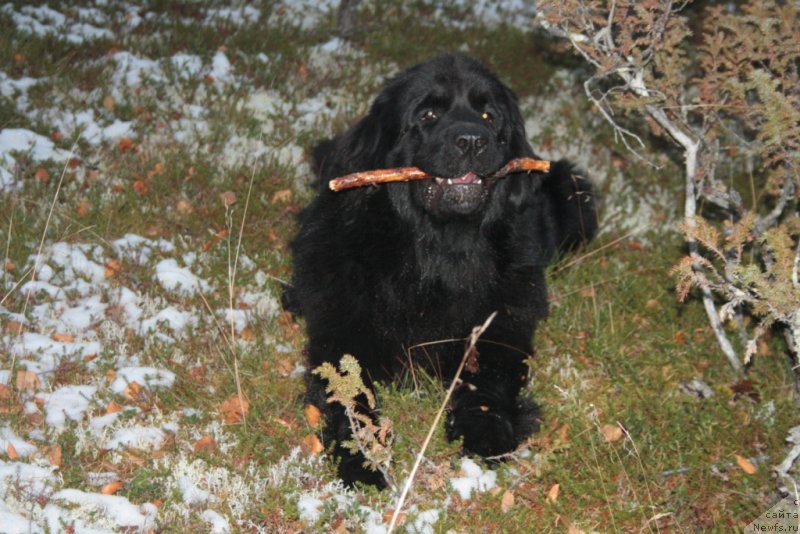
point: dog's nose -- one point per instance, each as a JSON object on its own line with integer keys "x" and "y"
{"x": 470, "y": 142}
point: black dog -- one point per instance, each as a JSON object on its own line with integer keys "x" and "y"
{"x": 380, "y": 269}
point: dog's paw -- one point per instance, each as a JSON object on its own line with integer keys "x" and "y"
{"x": 352, "y": 471}
{"x": 486, "y": 432}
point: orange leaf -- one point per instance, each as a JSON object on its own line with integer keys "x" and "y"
{"x": 282, "y": 196}
{"x": 111, "y": 488}
{"x": 65, "y": 338}
{"x": 132, "y": 391}
{"x": 312, "y": 444}
{"x": 507, "y": 502}
{"x": 611, "y": 433}
{"x": 125, "y": 144}
{"x": 746, "y": 465}
{"x": 247, "y": 334}
{"x": 42, "y": 175}
{"x": 28, "y": 380}
{"x": 111, "y": 268}
{"x": 12, "y": 452}
{"x": 141, "y": 187}
{"x": 313, "y": 415}
{"x": 54, "y": 455}
{"x": 184, "y": 207}
{"x": 113, "y": 407}
{"x": 234, "y": 410}
{"x": 83, "y": 207}
{"x": 552, "y": 493}
{"x": 15, "y": 327}
{"x": 206, "y": 443}
{"x": 228, "y": 198}
{"x": 109, "y": 103}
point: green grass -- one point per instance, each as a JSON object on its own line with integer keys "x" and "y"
{"x": 615, "y": 350}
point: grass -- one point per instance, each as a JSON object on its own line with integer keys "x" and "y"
{"x": 615, "y": 351}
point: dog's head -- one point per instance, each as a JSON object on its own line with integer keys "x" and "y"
{"x": 451, "y": 118}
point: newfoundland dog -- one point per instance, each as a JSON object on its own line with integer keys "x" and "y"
{"x": 394, "y": 273}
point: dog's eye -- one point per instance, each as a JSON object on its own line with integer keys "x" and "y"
{"x": 487, "y": 116}
{"x": 428, "y": 115}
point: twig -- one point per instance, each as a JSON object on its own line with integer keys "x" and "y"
{"x": 473, "y": 340}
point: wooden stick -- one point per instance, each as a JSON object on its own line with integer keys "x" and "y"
{"x": 404, "y": 174}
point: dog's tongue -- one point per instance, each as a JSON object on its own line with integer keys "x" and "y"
{"x": 469, "y": 178}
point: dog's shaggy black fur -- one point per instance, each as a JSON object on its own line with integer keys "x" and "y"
{"x": 379, "y": 270}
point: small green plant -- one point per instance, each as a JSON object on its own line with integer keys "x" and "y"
{"x": 373, "y": 441}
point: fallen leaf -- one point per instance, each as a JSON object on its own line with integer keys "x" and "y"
{"x": 28, "y": 380}
{"x": 311, "y": 444}
{"x": 247, "y": 334}
{"x": 679, "y": 338}
{"x": 111, "y": 488}
{"x": 282, "y": 196}
{"x": 228, "y": 198}
{"x": 15, "y": 327}
{"x": 84, "y": 207}
{"x": 42, "y": 175}
{"x": 563, "y": 433}
{"x": 109, "y": 103}
{"x": 284, "y": 367}
{"x": 12, "y": 452}
{"x": 111, "y": 268}
{"x": 111, "y": 375}
{"x": 651, "y": 305}
{"x": 588, "y": 292}
{"x": 313, "y": 415}
{"x": 572, "y": 529}
{"x": 611, "y": 433}
{"x": 746, "y": 465}
{"x": 205, "y": 444}
{"x": 133, "y": 390}
{"x": 387, "y": 517}
{"x": 56, "y": 136}
{"x": 113, "y": 407}
{"x": 64, "y": 338}
{"x": 54, "y": 455}
{"x": 184, "y": 207}
{"x": 5, "y": 393}
{"x": 507, "y": 502}
{"x": 234, "y": 410}
{"x": 9, "y": 265}
{"x": 141, "y": 187}
{"x": 125, "y": 144}
{"x": 552, "y": 493}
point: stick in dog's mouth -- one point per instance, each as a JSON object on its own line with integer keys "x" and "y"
{"x": 404, "y": 174}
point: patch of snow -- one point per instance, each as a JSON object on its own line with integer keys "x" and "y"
{"x": 177, "y": 279}
{"x": 310, "y": 508}
{"x": 9, "y": 437}
{"x": 34, "y": 480}
{"x": 144, "y": 376}
{"x": 67, "y": 403}
{"x": 82, "y": 511}
{"x": 137, "y": 437}
{"x": 474, "y": 479}
{"x": 217, "y": 523}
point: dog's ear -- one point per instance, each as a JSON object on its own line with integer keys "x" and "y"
{"x": 363, "y": 147}
{"x": 515, "y": 129}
